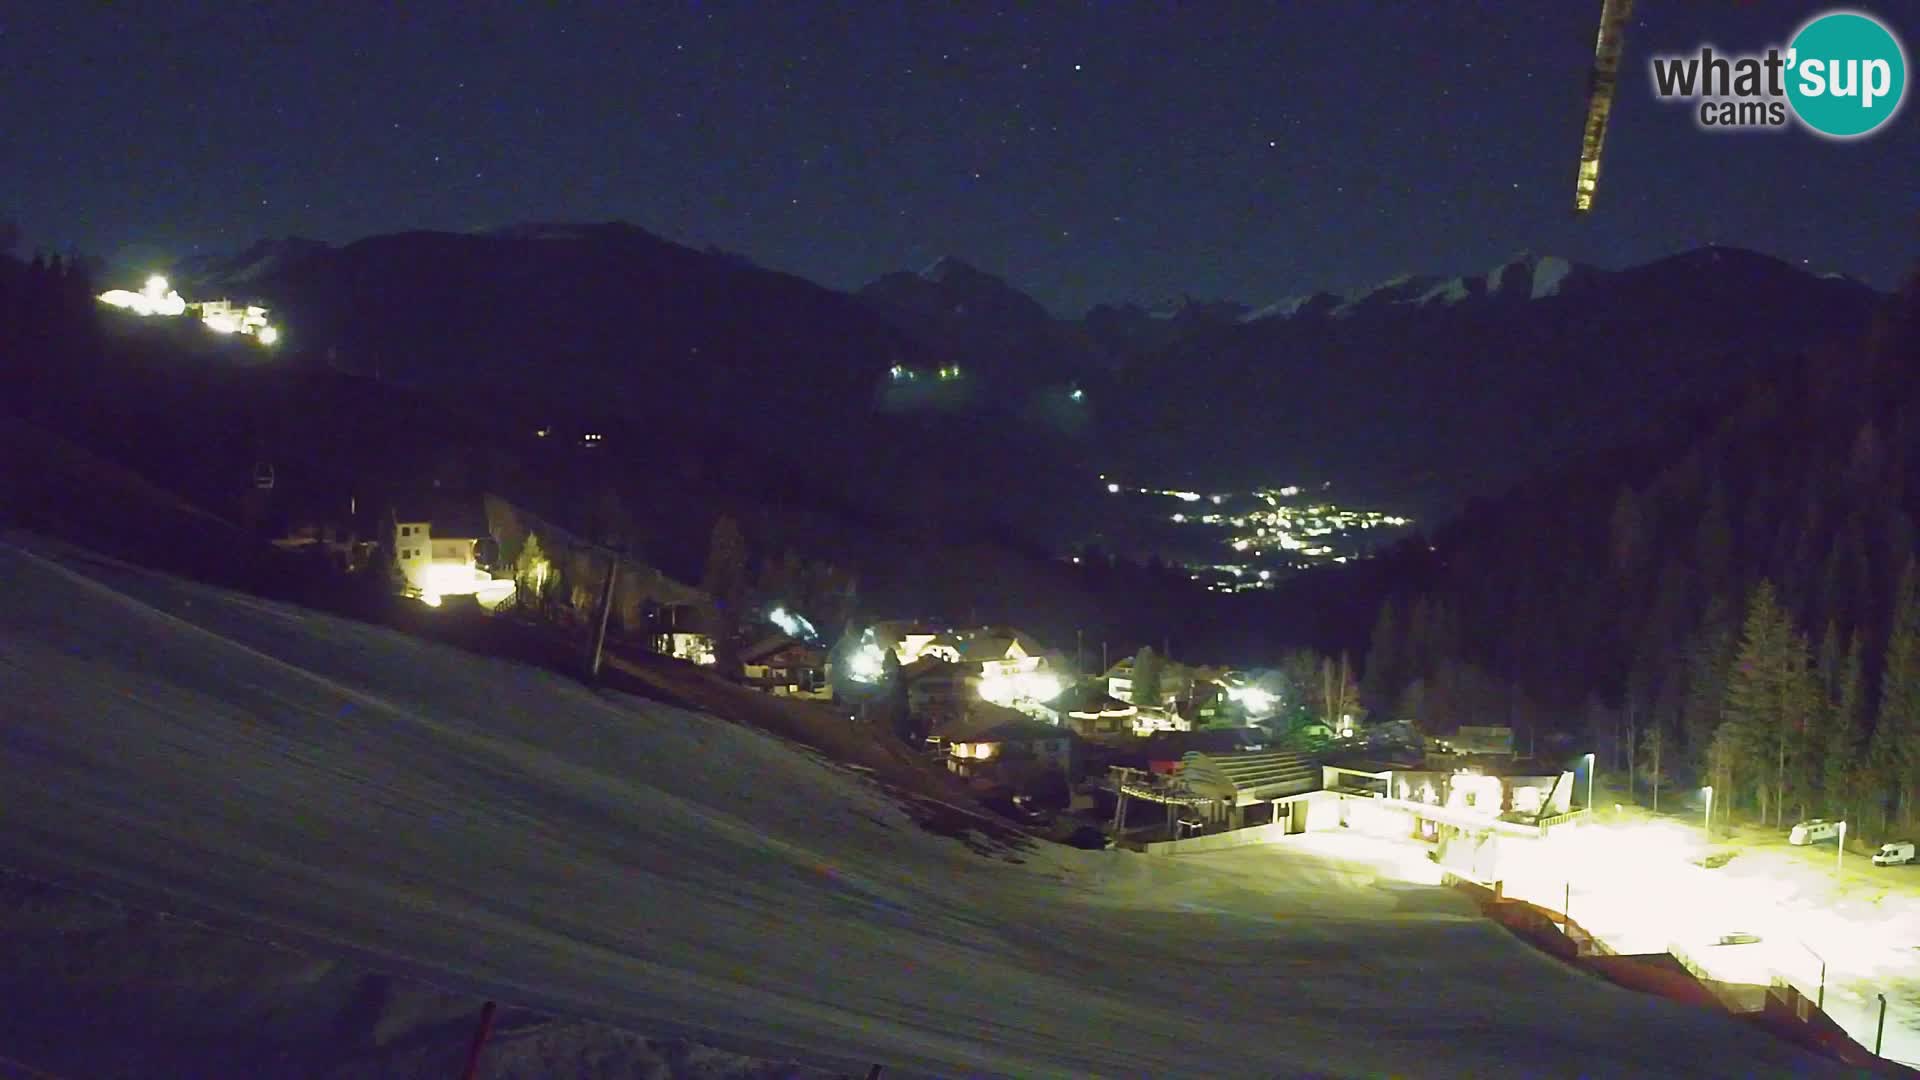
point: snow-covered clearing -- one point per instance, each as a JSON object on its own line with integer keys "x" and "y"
{"x": 1639, "y": 881}
{"x": 502, "y": 832}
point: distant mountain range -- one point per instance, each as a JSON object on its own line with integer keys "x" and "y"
{"x": 1415, "y": 392}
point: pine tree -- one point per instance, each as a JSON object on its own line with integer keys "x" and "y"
{"x": 1762, "y": 694}
{"x": 1846, "y": 736}
{"x": 1832, "y": 662}
{"x": 1384, "y": 678}
{"x": 1804, "y": 732}
{"x": 893, "y": 699}
{"x": 1146, "y": 678}
{"x": 1706, "y": 683}
{"x": 1895, "y": 749}
{"x": 1652, "y": 765}
{"x": 725, "y": 580}
{"x": 534, "y": 576}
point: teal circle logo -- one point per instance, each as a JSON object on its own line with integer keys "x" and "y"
{"x": 1846, "y": 74}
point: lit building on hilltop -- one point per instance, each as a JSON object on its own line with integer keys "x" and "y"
{"x": 157, "y": 297}
{"x": 227, "y": 317}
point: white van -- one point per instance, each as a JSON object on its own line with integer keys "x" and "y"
{"x": 1894, "y": 854}
{"x": 1812, "y": 832}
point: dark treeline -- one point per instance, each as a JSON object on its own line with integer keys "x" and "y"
{"x": 48, "y": 326}
{"x": 1733, "y": 603}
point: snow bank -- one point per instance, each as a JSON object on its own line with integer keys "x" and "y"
{"x": 506, "y": 834}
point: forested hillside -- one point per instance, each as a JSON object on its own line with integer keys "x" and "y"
{"x": 1735, "y": 603}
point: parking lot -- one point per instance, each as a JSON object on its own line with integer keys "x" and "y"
{"x": 1746, "y": 907}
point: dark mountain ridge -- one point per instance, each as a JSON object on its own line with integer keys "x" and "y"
{"x": 1414, "y": 394}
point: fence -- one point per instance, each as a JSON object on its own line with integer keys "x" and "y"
{"x": 1786, "y": 1003}
{"x": 1220, "y": 841}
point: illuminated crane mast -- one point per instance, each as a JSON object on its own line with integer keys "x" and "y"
{"x": 1600, "y": 87}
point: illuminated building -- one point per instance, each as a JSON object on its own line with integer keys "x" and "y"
{"x": 434, "y": 544}
{"x": 226, "y": 317}
{"x": 783, "y": 665}
{"x": 158, "y": 298}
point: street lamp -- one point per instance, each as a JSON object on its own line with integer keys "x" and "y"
{"x": 1590, "y": 763}
{"x": 1708, "y": 823}
{"x": 1840, "y": 853}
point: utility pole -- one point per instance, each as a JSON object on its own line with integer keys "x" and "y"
{"x": 1120, "y": 798}
{"x": 606, "y": 609}
{"x": 1881, "y": 1029}
{"x": 479, "y": 1042}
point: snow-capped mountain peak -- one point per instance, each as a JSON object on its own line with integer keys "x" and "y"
{"x": 946, "y": 268}
{"x": 1524, "y": 277}
{"x": 1541, "y": 275}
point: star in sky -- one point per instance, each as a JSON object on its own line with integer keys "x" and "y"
{"x": 1085, "y": 153}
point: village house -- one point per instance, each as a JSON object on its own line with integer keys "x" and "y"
{"x": 437, "y": 542}
{"x": 912, "y": 639}
{"x": 940, "y": 694}
{"x": 1149, "y": 719}
{"x": 1090, "y": 712}
{"x": 1002, "y": 748}
{"x": 678, "y": 631}
{"x": 324, "y": 530}
{"x": 1002, "y": 652}
{"x": 783, "y": 665}
{"x": 1119, "y": 679}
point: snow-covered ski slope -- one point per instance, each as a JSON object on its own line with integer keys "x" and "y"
{"x": 504, "y": 832}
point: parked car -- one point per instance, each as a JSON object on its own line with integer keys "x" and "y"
{"x": 1895, "y": 854}
{"x": 1739, "y": 937}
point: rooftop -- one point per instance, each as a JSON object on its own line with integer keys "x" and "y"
{"x": 448, "y": 516}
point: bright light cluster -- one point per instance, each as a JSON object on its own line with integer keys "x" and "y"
{"x": 867, "y": 662}
{"x": 1281, "y": 527}
{"x": 1025, "y": 686}
{"x": 793, "y": 625}
{"x": 443, "y": 579}
{"x": 157, "y": 297}
{"x": 1257, "y": 701}
{"x": 901, "y": 373}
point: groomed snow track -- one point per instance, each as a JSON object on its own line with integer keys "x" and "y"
{"x": 501, "y": 832}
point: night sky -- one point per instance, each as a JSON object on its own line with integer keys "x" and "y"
{"x": 1086, "y": 153}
